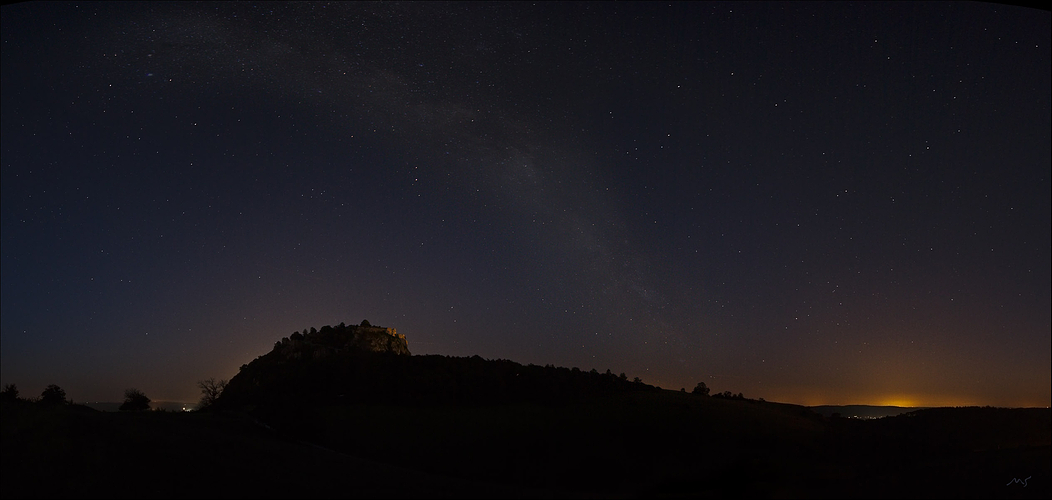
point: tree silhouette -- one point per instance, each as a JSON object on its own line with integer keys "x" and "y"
{"x": 53, "y": 395}
{"x": 701, "y": 389}
{"x": 135, "y": 400}
{"x": 10, "y": 393}
{"x": 729, "y": 395}
{"x": 210, "y": 391}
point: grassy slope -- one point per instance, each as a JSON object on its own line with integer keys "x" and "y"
{"x": 625, "y": 444}
{"x": 81, "y": 453}
{"x": 651, "y": 443}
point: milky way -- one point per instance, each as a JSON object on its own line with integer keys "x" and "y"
{"x": 806, "y": 203}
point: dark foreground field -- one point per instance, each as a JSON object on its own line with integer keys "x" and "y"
{"x": 77, "y": 452}
{"x": 637, "y": 444}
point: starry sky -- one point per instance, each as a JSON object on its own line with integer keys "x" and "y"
{"x": 813, "y": 203}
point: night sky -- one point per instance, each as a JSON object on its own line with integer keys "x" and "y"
{"x": 813, "y": 203}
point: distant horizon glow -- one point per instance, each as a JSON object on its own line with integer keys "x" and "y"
{"x": 890, "y": 401}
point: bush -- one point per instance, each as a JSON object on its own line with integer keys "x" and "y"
{"x": 701, "y": 389}
{"x": 10, "y": 393}
{"x": 53, "y": 395}
{"x": 135, "y": 400}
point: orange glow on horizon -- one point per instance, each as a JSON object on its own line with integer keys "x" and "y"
{"x": 816, "y": 398}
{"x": 901, "y": 401}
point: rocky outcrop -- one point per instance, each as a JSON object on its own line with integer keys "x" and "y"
{"x": 341, "y": 339}
{"x": 378, "y": 339}
{"x": 313, "y": 362}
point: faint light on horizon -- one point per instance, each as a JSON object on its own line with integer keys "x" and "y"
{"x": 899, "y": 401}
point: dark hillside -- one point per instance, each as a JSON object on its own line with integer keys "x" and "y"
{"x": 348, "y": 412}
{"x": 565, "y": 429}
{"x": 631, "y": 442}
{"x": 334, "y": 365}
{"x": 77, "y": 452}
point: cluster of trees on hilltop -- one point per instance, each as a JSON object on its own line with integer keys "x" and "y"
{"x": 327, "y": 335}
{"x": 340, "y": 338}
{"x": 703, "y": 390}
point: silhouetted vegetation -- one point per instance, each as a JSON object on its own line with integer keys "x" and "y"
{"x": 135, "y": 400}
{"x": 53, "y": 395}
{"x": 10, "y": 393}
{"x": 728, "y": 395}
{"x": 321, "y": 376}
{"x": 442, "y": 426}
{"x": 211, "y": 389}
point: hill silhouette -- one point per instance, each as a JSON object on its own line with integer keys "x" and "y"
{"x": 373, "y": 365}
{"x": 347, "y": 411}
